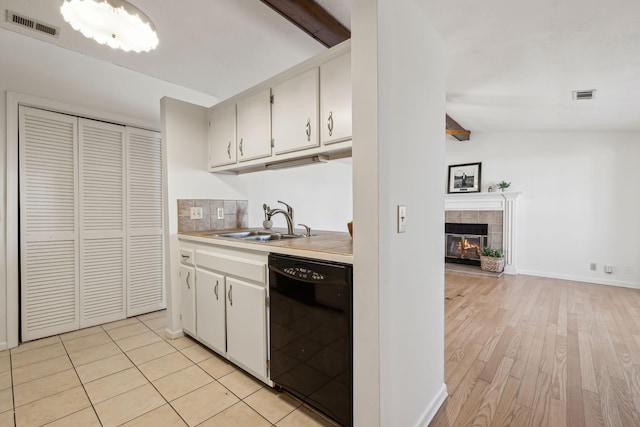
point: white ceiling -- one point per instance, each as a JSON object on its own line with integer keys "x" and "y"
{"x": 511, "y": 65}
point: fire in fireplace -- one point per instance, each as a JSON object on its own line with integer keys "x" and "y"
{"x": 464, "y": 242}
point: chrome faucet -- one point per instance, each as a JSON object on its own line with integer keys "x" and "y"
{"x": 288, "y": 215}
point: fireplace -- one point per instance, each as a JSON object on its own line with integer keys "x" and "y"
{"x": 464, "y": 242}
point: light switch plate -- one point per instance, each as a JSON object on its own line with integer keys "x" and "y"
{"x": 402, "y": 219}
{"x": 220, "y": 213}
{"x": 196, "y": 213}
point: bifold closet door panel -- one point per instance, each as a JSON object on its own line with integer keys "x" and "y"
{"x": 49, "y": 273}
{"x": 102, "y": 222}
{"x": 145, "y": 237}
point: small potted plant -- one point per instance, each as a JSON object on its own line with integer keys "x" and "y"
{"x": 492, "y": 259}
{"x": 503, "y": 184}
{"x": 267, "y": 223}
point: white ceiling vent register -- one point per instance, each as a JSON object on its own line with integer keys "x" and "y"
{"x": 579, "y": 95}
{"x": 31, "y": 24}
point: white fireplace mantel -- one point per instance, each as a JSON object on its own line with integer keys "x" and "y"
{"x": 495, "y": 201}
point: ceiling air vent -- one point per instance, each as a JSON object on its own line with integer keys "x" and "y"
{"x": 32, "y": 24}
{"x": 579, "y": 95}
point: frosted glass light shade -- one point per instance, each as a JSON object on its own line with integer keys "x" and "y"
{"x": 115, "y": 23}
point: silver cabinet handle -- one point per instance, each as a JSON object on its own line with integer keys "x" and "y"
{"x": 215, "y": 290}
{"x": 188, "y": 284}
{"x": 330, "y": 123}
{"x": 308, "y": 129}
{"x": 229, "y": 149}
{"x": 230, "y": 297}
{"x": 241, "y": 151}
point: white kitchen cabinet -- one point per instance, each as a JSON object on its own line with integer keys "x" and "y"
{"x": 253, "y": 134}
{"x": 246, "y": 325}
{"x": 222, "y": 135}
{"x": 295, "y": 113}
{"x": 210, "y": 309}
{"x": 188, "y": 299}
{"x": 223, "y": 303}
{"x": 335, "y": 100}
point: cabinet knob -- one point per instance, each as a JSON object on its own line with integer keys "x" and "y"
{"x": 330, "y": 123}
{"x": 308, "y": 129}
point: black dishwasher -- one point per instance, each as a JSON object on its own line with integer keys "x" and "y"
{"x": 311, "y": 332}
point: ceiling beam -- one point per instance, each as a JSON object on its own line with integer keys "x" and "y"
{"x": 312, "y": 19}
{"x": 457, "y": 131}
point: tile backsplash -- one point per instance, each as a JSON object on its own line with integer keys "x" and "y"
{"x": 236, "y": 215}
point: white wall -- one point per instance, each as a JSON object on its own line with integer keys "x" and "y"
{"x": 321, "y": 195}
{"x": 184, "y": 131}
{"x": 398, "y": 139}
{"x": 580, "y": 202}
{"x": 103, "y": 90}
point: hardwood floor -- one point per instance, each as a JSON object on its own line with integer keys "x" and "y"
{"x": 531, "y": 351}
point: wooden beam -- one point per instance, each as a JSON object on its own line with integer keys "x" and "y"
{"x": 319, "y": 24}
{"x": 457, "y": 131}
{"x": 312, "y": 19}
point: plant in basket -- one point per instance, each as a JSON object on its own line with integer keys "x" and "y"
{"x": 492, "y": 259}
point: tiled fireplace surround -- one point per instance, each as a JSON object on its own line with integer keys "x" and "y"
{"x": 492, "y": 218}
{"x": 498, "y": 210}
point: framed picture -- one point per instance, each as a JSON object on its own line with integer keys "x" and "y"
{"x": 465, "y": 178}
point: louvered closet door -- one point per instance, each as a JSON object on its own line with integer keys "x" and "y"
{"x": 48, "y": 223}
{"x": 145, "y": 248}
{"x": 102, "y": 223}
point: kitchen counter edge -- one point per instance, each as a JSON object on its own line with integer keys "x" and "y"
{"x": 323, "y": 245}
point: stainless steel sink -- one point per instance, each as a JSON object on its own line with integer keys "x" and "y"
{"x": 256, "y": 235}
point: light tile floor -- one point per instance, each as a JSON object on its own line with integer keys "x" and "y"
{"x": 126, "y": 373}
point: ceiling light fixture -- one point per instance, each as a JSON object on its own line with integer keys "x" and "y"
{"x": 116, "y": 23}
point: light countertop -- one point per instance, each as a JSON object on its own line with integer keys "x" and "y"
{"x": 323, "y": 245}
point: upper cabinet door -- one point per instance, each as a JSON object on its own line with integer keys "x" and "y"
{"x": 295, "y": 113}
{"x": 222, "y": 135}
{"x": 254, "y": 126}
{"x": 335, "y": 100}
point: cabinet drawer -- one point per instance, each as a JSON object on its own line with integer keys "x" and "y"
{"x": 234, "y": 266}
{"x": 186, "y": 256}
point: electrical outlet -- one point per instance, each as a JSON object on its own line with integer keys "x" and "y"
{"x": 196, "y": 213}
{"x": 608, "y": 269}
{"x": 220, "y": 213}
{"x": 593, "y": 266}
{"x": 628, "y": 269}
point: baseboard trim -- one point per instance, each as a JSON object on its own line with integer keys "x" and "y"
{"x": 4, "y": 346}
{"x": 173, "y": 334}
{"x": 433, "y": 407}
{"x": 593, "y": 280}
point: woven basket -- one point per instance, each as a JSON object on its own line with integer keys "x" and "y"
{"x": 492, "y": 264}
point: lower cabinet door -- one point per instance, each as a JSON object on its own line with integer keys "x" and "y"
{"x": 210, "y": 309}
{"x": 188, "y": 299}
{"x": 247, "y": 325}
